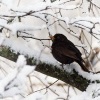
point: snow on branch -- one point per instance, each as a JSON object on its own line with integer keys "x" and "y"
{"x": 20, "y": 27}
{"x": 32, "y": 39}
{"x": 92, "y": 93}
{"x": 15, "y": 78}
{"x": 26, "y": 30}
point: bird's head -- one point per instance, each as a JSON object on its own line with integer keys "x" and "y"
{"x": 58, "y": 37}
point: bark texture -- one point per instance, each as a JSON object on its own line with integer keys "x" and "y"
{"x": 73, "y": 79}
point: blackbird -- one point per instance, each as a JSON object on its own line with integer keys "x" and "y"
{"x": 65, "y": 51}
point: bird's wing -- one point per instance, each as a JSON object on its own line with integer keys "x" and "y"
{"x": 66, "y": 52}
{"x": 71, "y": 46}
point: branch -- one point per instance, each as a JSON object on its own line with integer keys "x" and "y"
{"x": 73, "y": 79}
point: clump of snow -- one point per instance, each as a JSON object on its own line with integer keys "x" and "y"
{"x": 21, "y": 61}
{"x": 92, "y": 93}
{"x": 4, "y": 82}
{"x": 89, "y": 76}
{"x": 37, "y": 20}
{"x": 21, "y": 27}
{"x": 2, "y": 38}
{"x": 15, "y": 82}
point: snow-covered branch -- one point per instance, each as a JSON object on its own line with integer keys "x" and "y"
{"x": 25, "y": 29}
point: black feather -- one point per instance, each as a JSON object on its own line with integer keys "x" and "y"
{"x": 65, "y": 51}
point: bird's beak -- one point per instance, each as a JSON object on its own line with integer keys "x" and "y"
{"x": 52, "y": 37}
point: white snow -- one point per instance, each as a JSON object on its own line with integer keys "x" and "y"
{"x": 35, "y": 96}
{"x": 2, "y": 38}
{"x": 21, "y": 61}
{"x": 92, "y": 93}
{"x": 38, "y": 18}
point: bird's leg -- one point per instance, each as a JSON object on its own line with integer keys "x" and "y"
{"x": 62, "y": 66}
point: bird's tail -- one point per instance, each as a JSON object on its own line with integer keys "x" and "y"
{"x": 83, "y": 66}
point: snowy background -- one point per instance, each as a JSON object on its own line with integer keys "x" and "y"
{"x": 25, "y": 26}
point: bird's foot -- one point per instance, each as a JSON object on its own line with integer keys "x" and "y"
{"x": 62, "y": 65}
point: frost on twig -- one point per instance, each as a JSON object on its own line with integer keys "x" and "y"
{"x": 25, "y": 29}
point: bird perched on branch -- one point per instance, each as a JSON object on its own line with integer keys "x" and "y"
{"x": 65, "y": 51}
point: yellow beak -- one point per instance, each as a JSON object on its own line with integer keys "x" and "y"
{"x": 52, "y": 37}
